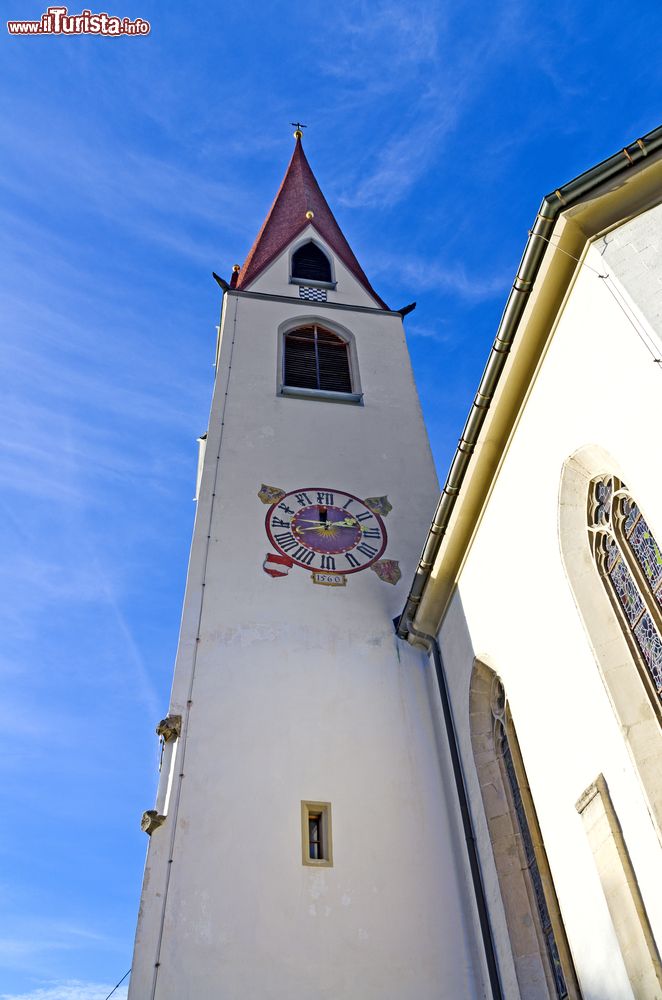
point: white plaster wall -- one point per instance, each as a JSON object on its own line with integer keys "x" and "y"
{"x": 633, "y": 254}
{"x": 515, "y": 610}
{"x": 302, "y": 692}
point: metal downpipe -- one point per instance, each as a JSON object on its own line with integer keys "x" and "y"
{"x": 467, "y": 822}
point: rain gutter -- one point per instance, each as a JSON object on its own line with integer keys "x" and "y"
{"x": 550, "y": 209}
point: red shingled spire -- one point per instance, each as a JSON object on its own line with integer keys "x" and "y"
{"x": 299, "y": 194}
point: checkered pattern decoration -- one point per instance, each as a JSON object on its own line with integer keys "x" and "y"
{"x": 312, "y": 294}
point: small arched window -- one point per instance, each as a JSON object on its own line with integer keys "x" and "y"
{"x": 630, "y": 564}
{"x": 316, "y": 358}
{"x": 311, "y": 264}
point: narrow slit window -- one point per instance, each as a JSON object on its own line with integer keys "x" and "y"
{"x": 315, "y": 358}
{"x": 316, "y": 834}
{"x": 315, "y": 850}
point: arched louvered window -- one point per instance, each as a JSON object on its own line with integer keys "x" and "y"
{"x": 315, "y": 358}
{"x": 311, "y": 264}
{"x": 630, "y": 564}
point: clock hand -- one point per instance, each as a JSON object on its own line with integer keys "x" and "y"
{"x": 319, "y": 525}
{"x": 345, "y": 523}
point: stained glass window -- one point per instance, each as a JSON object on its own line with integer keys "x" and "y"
{"x": 630, "y": 561}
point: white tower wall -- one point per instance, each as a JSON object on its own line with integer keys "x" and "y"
{"x": 292, "y": 691}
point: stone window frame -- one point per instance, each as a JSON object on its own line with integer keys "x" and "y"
{"x": 620, "y": 885}
{"x": 489, "y": 709}
{"x": 634, "y": 710}
{"x": 323, "y": 810}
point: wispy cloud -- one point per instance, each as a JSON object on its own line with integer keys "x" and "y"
{"x": 162, "y": 199}
{"x": 422, "y": 275}
{"x": 32, "y": 944}
{"x": 440, "y": 334}
{"x": 382, "y": 41}
{"x": 72, "y": 989}
{"x": 399, "y": 164}
{"x": 437, "y": 63}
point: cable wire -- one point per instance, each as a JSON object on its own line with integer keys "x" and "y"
{"x": 648, "y": 342}
{"x": 117, "y": 985}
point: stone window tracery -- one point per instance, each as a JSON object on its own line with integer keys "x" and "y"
{"x": 630, "y": 564}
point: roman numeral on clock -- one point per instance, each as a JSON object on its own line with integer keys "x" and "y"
{"x": 303, "y": 555}
{"x": 364, "y": 516}
{"x": 371, "y": 533}
{"x": 277, "y": 522}
{"x": 303, "y": 499}
{"x": 366, "y": 549}
{"x": 328, "y": 562}
{"x": 351, "y": 560}
{"x": 325, "y": 498}
{"x": 286, "y": 541}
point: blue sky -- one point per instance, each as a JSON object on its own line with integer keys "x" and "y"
{"x": 130, "y": 169}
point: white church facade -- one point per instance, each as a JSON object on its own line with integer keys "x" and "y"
{"x": 407, "y": 776}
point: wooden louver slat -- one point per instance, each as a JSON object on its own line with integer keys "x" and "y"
{"x": 310, "y": 262}
{"x": 315, "y": 358}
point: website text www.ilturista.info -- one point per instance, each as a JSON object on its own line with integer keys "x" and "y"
{"x": 58, "y": 21}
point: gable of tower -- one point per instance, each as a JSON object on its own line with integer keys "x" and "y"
{"x": 282, "y": 277}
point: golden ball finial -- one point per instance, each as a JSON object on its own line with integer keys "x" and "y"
{"x": 236, "y": 267}
{"x": 310, "y": 215}
{"x": 298, "y": 134}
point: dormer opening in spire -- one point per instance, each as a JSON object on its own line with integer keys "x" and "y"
{"x": 310, "y": 263}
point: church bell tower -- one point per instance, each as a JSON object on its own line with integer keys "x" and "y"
{"x": 303, "y": 843}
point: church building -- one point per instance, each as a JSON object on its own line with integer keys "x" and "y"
{"x": 414, "y": 747}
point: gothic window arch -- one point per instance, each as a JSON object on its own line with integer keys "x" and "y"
{"x": 630, "y": 565}
{"x": 540, "y": 950}
{"x": 317, "y": 360}
{"x": 584, "y": 520}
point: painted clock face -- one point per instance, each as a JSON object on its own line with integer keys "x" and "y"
{"x": 324, "y": 529}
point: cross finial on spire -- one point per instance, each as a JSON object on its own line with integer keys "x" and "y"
{"x": 298, "y": 126}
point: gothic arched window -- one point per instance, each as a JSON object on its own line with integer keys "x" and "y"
{"x": 311, "y": 263}
{"x": 540, "y": 950}
{"x": 316, "y": 358}
{"x": 630, "y": 564}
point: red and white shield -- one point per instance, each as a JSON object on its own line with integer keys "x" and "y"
{"x": 277, "y": 565}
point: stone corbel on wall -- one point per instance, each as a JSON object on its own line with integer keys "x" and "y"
{"x": 151, "y": 820}
{"x": 169, "y": 728}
